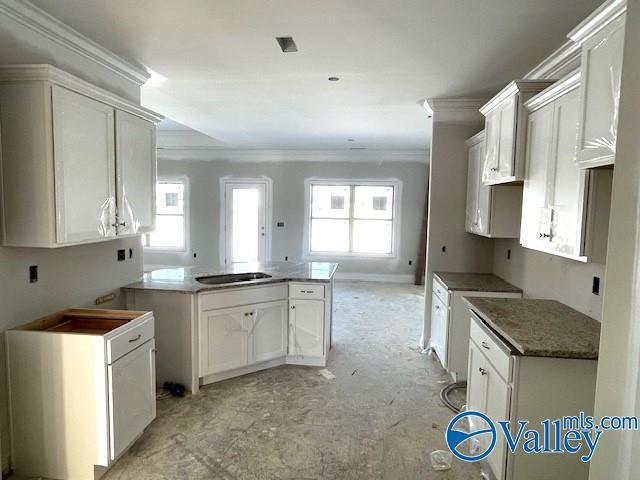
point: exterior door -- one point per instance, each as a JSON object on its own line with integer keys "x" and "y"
{"x": 132, "y": 396}
{"x": 136, "y": 172}
{"x": 84, "y": 158}
{"x": 245, "y": 222}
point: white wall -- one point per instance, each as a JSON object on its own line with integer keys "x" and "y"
{"x": 72, "y": 276}
{"x": 288, "y": 206}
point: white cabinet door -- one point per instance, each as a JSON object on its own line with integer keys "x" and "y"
{"x": 224, "y": 339}
{"x": 498, "y": 401}
{"x": 136, "y": 173}
{"x": 600, "y": 91}
{"x": 535, "y": 226}
{"x": 490, "y": 166}
{"x": 84, "y": 157}
{"x": 506, "y": 154}
{"x": 439, "y": 328}
{"x": 269, "y": 331}
{"x": 566, "y": 182}
{"x": 478, "y": 194}
{"x": 477, "y": 393}
{"x": 306, "y": 327}
{"x": 132, "y": 396}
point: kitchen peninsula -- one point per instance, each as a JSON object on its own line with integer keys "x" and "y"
{"x": 221, "y": 322}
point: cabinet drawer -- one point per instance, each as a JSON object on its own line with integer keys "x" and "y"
{"x": 493, "y": 349}
{"x": 129, "y": 339}
{"x": 440, "y": 291}
{"x": 305, "y": 290}
{"x": 242, "y": 296}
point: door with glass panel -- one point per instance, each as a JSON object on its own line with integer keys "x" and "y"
{"x": 245, "y": 222}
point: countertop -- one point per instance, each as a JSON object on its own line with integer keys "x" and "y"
{"x": 183, "y": 279}
{"x": 475, "y": 282}
{"x": 540, "y": 328}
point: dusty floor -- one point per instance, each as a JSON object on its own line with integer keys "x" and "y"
{"x": 378, "y": 419}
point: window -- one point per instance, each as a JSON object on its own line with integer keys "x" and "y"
{"x": 352, "y": 218}
{"x": 170, "y": 217}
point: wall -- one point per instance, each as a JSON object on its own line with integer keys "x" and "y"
{"x": 447, "y": 207}
{"x": 288, "y": 206}
{"x": 618, "y": 389}
{"x": 548, "y": 276}
{"x": 72, "y": 276}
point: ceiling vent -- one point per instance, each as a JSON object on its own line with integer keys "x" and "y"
{"x": 287, "y": 45}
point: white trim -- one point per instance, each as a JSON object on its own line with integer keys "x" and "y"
{"x": 514, "y": 87}
{"x": 251, "y": 155}
{"x": 222, "y": 237}
{"x": 39, "y": 21}
{"x": 561, "y": 87}
{"x": 600, "y": 18}
{"x": 375, "y": 277}
{"x": 56, "y": 76}
{"x": 307, "y": 254}
{"x": 187, "y": 224}
{"x": 458, "y": 110}
{"x": 564, "y": 59}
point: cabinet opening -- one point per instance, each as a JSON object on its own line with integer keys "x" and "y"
{"x": 83, "y": 321}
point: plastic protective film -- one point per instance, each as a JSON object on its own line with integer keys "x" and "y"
{"x": 128, "y": 221}
{"x": 106, "y": 225}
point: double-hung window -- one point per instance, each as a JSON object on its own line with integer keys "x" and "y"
{"x": 352, "y": 218}
{"x": 170, "y": 231}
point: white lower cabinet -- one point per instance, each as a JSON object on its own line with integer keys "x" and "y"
{"x": 306, "y": 328}
{"x": 238, "y": 335}
{"x": 439, "y": 328}
{"x": 507, "y": 386}
{"x": 82, "y": 389}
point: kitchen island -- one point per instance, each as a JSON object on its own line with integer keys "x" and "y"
{"x": 214, "y": 323}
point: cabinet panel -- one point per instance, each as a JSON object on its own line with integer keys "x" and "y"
{"x": 136, "y": 173}
{"x": 508, "y": 115}
{"x": 223, "y": 340}
{"x": 439, "y": 328}
{"x": 490, "y": 165}
{"x": 306, "y": 322}
{"x": 476, "y": 393}
{"x": 132, "y": 396}
{"x": 600, "y": 92}
{"x": 478, "y": 194}
{"x": 535, "y": 225}
{"x": 84, "y": 159}
{"x": 498, "y": 399}
{"x": 269, "y": 331}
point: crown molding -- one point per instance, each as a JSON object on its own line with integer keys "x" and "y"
{"x": 565, "y": 59}
{"x": 291, "y": 155}
{"x": 600, "y": 18}
{"x": 39, "y": 21}
{"x": 516, "y": 86}
{"x": 455, "y": 110}
{"x": 561, "y": 87}
{"x": 56, "y": 76}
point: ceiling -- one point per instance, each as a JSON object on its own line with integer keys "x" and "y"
{"x": 223, "y": 74}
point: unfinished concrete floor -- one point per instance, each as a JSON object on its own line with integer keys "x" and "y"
{"x": 378, "y": 419}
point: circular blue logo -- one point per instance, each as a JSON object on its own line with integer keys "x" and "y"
{"x": 474, "y": 430}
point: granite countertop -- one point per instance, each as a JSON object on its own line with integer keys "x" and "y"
{"x": 183, "y": 279}
{"x": 476, "y": 282}
{"x": 540, "y": 328}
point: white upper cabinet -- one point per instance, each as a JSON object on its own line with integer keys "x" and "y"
{"x": 602, "y": 39}
{"x": 136, "y": 172}
{"x": 78, "y": 162}
{"x": 560, "y": 212}
{"x": 492, "y": 211}
{"x": 84, "y": 171}
{"x": 505, "y": 118}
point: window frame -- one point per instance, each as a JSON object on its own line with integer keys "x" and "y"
{"x": 185, "y": 202}
{"x": 352, "y": 183}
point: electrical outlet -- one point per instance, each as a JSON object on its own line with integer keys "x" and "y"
{"x": 122, "y": 255}
{"x": 508, "y": 254}
{"x": 33, "y": 273}
{"x": 131, "y": 253}
{"x": 410, "y": 262}
{"x": 595, "y": 286}
{"x": 444, "y": 249}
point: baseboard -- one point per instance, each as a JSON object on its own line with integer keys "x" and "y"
{"x": 375, "y": 277}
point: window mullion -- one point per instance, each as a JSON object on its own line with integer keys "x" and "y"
{"x": 352, "y": 202}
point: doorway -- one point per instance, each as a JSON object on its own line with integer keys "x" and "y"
{"x": 247, "y": 220}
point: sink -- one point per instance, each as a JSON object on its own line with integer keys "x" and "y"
{"x": 231, "y": 278}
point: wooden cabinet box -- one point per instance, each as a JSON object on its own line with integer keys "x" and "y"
{"x": 565, "y": 209}
{"x": 505, "y": 120}
{"x": 78, "y": 163}
{"x": 83, "y": 381}
{"x": 601, "y": 37}
{"x": 492, "y": 210}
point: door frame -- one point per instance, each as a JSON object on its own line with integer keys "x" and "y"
{"x": 268, "y": 213}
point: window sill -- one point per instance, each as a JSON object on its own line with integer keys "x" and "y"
{"x": 355, "y": 256}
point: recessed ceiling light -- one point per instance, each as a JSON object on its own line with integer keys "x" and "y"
{"x": 287, "y": 45}
{"x": 357, "y": 148}
{"x": 351, "y": 139}
{"x": 333, "y": 79}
